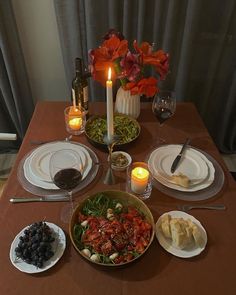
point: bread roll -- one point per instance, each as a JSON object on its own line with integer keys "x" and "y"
{"x": 165, "y": 226}
{"x": 177, "y": 234}
{"x": 181, "y": 233}
{"x": 197, "y": 235}
{"x": 181, "y": 180}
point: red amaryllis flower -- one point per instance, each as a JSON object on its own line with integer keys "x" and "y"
{"x": 131, "y": 67}
{"x": 146, "y": 86}
{"x": 103, "y": 57}
{"x": 158, "y": 58}
{"x": 145, "y": 48}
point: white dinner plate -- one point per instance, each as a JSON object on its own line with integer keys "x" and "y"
{"x": 34, "y": 180}
{"x": 39, "y": 159}
{"x": 29, "y": 166}
{"x": 192, "y": 250}
{"x": 193, "y": 164}
{"x": 58, "y": 247}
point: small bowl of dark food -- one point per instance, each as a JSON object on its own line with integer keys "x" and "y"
{"x": 120, "y": 160}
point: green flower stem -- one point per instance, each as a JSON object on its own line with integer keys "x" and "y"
{"x": 117, "y": 69}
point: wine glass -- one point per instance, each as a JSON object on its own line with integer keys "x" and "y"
{"x": 163, "y": 107}
{"x": 66, "y": 171}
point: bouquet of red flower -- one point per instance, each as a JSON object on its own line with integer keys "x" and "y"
{"x": 128, "y": 66}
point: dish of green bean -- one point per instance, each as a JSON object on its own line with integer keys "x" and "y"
{"x": 125, "y": 127}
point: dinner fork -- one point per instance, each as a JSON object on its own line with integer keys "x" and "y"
{"x": 190, "y": 207}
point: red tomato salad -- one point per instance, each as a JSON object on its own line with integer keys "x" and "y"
{"x": 111, "y": 232}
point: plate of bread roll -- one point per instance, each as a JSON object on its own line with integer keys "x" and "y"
{"x": 181, "y": 234}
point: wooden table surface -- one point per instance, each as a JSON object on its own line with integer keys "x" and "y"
{"x": 157, "y": 272}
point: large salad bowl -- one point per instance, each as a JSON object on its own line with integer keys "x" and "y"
{"x": 111, "y": 228}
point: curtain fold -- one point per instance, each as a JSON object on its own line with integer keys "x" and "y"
{"x": 198, "y": 35}
{"x": 187, "y": 49}
{"x": 15, "y": 95}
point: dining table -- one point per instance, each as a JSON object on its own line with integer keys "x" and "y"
{"x": 157, "y": 271}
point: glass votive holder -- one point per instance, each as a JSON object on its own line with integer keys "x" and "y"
{"x": 75, "y": 119}
{"x": 139, "y": 180}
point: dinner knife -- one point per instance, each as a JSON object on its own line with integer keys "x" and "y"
{"x": 177, "y": 159}
{"x": 39, "y": 199}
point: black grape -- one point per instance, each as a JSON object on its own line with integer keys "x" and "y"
{"x": 35, "y": 246}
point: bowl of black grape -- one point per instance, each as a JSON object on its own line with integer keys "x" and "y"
{"x": 37, "y": 247}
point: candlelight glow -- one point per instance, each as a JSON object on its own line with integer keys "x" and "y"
{"x": 75, "y": 123}
{"x": 140, "y": 173}
{"x": 74, "y": 111}
{"x": 109, "y": 74}
{"x": 139, "y": 179}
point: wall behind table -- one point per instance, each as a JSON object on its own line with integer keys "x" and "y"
{"x": 36, "y": 22}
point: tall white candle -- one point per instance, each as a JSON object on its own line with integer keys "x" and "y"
{"x": 110, "y": 128}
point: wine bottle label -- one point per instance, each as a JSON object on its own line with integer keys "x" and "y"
{"x": 85, "y": 94}
{"x": 85, "y": 91}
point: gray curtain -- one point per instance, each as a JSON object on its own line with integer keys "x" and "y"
{"x": 15, "y": 96}
{"x": 199, "y": 36}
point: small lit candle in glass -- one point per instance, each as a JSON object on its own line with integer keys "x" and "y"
{"x": 139, "y": 180}
{"x": 75, "y": 121}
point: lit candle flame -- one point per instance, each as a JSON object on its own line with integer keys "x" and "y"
{"x": 109, "y": 74}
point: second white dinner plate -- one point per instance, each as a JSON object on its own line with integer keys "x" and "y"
{"x": 193, "y": 164}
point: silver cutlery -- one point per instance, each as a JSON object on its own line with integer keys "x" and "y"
{"x": 39, "y": 199}
{"x": 190, "y": 207}
{"x": 178, "y": 158}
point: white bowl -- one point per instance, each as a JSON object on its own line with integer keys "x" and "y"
{"x": 120, "y": 166}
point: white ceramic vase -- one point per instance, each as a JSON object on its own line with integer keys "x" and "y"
{"x": 127, "y": 104}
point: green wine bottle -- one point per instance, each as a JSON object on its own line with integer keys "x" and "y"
{"x": 80, "y": 87}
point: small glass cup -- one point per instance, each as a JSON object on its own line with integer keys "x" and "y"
{"x": 139, "y": 180}
{"x": 75, "y": 119}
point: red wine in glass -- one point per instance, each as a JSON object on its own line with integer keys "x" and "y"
{"x": 163, "y": 107}
{"x": 67, "y": 179}
{"x": 66, "y": 170}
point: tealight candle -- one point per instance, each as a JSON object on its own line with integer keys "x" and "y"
{"x": 75, "y": 119}
{"x": 75, "y": 123}
{"x": 139, "y": 180}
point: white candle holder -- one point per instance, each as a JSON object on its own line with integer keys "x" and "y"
{"x": 139, "y": 180}
{"x": 75, "y": 119}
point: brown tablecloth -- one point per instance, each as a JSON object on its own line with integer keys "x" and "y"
{"x": 157, "y": 272}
